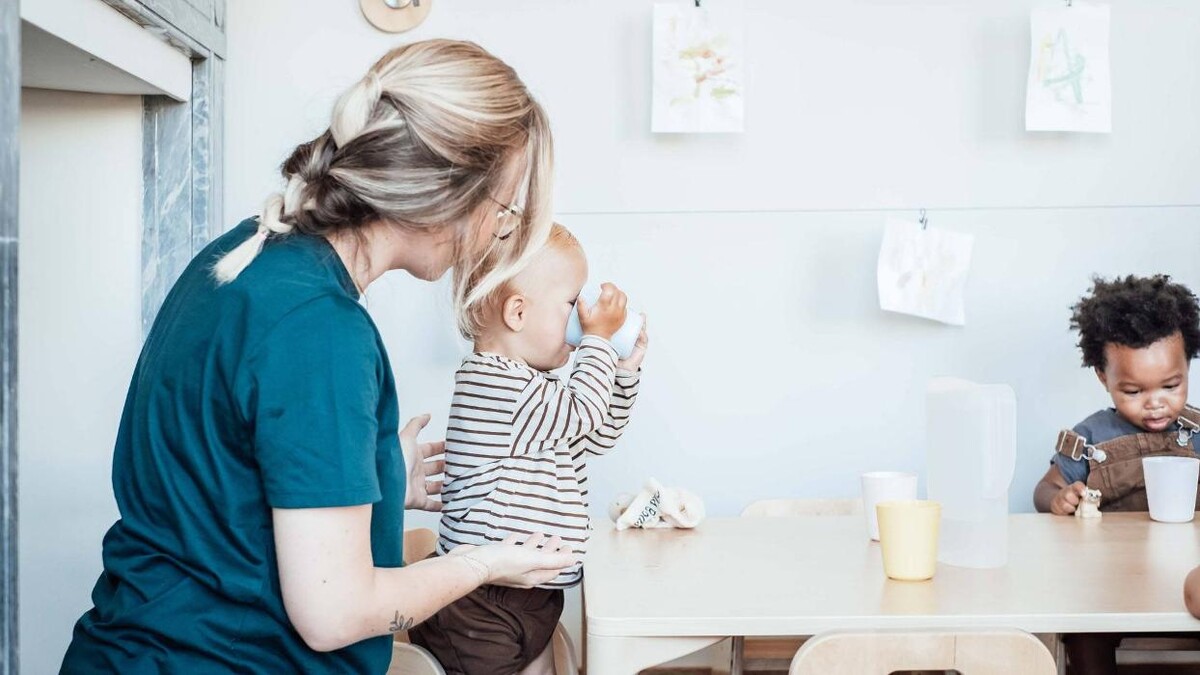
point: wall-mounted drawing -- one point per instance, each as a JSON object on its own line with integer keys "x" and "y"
{"x": 923, "y": 271}
{"x": 1070, "y": 86}
{"x": 698, "y": 69}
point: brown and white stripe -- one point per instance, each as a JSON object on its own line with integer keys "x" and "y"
{"x": 517, "y": 445}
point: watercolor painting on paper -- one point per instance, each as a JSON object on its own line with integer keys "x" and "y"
{"x": 922, "y": 271}
{"x": 698, "y": 70}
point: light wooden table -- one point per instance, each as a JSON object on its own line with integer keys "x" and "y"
{"x": 655, "y": 595}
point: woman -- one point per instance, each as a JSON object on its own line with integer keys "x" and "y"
{"x": 258, "y": 466}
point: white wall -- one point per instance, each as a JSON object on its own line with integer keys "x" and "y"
{"x": 772, "y": 372}
{"x": 80, "y": 304}
{"x": 754, "y": 254}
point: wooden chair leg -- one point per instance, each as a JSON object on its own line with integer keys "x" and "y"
{"x": 737, "y": 655}
{"x": 583, "y": 635}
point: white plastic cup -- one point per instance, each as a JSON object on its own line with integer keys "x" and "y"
{"x": 1171, "y": 487}
{"x": 624, "y": 340}
{"x": 885, "y": 486}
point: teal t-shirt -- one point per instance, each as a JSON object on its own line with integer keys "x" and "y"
{"x": 273, "y": 391}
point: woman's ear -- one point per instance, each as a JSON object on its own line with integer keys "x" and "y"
{"x": 513, "y": 312}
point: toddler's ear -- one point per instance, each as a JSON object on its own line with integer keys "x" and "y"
{"x": 1102, "y": 377}
{"x": 513, "y": 312}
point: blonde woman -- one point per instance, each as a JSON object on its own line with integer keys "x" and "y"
{"x": 258, "y": 468}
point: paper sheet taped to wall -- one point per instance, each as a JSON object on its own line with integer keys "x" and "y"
{"x": 1070, "y": 86}
{"x": 923, "y": 271}
{"x": 698, "y": 76}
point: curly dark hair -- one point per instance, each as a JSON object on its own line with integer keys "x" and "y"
{"x": 1135, "y": 312}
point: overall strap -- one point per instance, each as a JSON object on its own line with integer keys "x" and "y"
{"x": 1187, "y": 425}
{"x": 1076, "y": 447}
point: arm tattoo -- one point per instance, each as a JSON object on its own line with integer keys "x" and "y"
{"x": 400, "y": 623}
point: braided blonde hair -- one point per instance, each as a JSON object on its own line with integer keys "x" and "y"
{"x": 423, "y": 141}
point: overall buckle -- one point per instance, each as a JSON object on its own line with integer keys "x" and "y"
{"x": 1084, "y": 450}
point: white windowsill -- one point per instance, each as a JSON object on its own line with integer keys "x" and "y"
{"x": 85, "y": 45}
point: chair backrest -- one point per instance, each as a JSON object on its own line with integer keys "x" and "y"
{"x": 993, "y": 652}
{"x": 774, "y": 508}
{"x": 419, "y": 543}
{"x": 409, "y": 659}
{"x": 565, "y": 661}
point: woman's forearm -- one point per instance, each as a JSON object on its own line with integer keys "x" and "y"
{"x": 399, "y": 598}
{"x": 335, "y": 595}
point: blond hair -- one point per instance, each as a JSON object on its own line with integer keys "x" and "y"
{"x": 561, "y": 238}
{"x": 482, "y": 313}
{"x": 423, "y": 141}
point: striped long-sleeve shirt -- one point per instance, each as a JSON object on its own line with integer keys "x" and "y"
{"x": 517, "y": 447}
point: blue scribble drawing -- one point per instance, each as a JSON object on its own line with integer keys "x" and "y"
{"x": 1061, "y": 70}
{"x": 1070, "y": 85}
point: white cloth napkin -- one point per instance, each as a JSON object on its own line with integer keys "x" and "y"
{"x": 657, "y": 507}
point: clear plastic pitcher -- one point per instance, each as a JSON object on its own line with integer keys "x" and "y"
{"x": 972, "y": 448}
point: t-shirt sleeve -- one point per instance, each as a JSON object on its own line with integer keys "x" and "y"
{"x": 312, "y": 394}
{"x": 1074, "y": 470}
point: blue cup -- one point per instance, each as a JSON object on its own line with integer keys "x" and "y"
{"x": 624, "y": 340}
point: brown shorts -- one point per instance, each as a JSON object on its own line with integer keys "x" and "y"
{"x": 491, "y": 631}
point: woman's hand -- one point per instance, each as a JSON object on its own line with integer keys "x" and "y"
{"x": 519, "y": 564}
{"x": 639, "y": 351}
{"x": 604, "y": 318}
{"x": 422, "y": 468}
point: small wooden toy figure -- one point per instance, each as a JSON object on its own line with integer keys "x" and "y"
{"x": 1090, "y": 506}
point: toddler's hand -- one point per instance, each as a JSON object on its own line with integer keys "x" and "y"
{"x": 606, "y": 316}
{"x": 639, "y": 351}
{"x": 1067, "y": 499}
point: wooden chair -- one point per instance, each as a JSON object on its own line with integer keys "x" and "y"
{"x": 565, "y": 660}
{"x": 419, "y": 544}
{"x": 1159, "y": 654}
{"x": 409, "y": 659}
{"x": 774, "y": 654}
{"x": 995, "y": 652}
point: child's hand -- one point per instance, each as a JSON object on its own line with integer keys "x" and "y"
{"x": 1191, "y": 592}
{"x": 639, "y": 351}
{"x": 606, "y": 316}
{"x": 1067, "y": 499}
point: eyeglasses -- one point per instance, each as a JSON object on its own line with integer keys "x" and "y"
{"x": 508, "y": 218}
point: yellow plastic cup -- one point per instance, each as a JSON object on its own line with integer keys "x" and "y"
{"x": 908, "y": 534}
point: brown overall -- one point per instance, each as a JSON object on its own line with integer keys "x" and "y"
{"x": 1116, "y": 470}
{"x": 1116, "y": 466}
